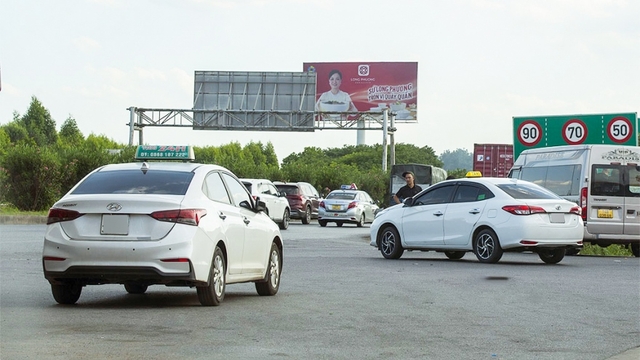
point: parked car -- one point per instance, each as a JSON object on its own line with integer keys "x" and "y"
{"x": 277, "y": 204}
{"x": 347, "y": 206}
{"x": 157, "y": 222}
{"x": 487, "y": 216}
{"x": 303, "y": 199}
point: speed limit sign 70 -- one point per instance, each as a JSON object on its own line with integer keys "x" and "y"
{"x": 619, "y": 129}
{"x": 529, "y": 133}
{"x": 574, "y": 132}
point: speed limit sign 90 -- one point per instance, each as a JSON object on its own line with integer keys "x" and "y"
{"x": 529, "y": 133}
{"x": 574, "y": 132}
{"x": 619, "y": 129}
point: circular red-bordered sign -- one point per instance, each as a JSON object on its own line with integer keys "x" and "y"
{"x": 574, "y": 132}
{"x": 529, "y": 133}
{"x": 620, "y": 129}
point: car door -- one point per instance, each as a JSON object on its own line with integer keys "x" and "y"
{"x": 463, "y": 213}
{"x": 370, "y": 206}
{"x": 256, "y": 241}
{"x": 313, "y": 195}
{"x": 277, "y": 204}
{"x": 422, "y": 222}
{"x": 233, "y": 226}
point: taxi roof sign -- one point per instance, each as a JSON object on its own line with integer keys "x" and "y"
{"x": 472, "y": 174}
{"x": 165, "y": 152}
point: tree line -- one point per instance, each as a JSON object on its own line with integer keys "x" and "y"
{"x": 39, "y": 164}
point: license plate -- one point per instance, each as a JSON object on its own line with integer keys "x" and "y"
{"x": 605, "y": 213}
{"x": 114, "y": 225}
{"x": 556, "y": 218}
{"x": 335, "y": 207}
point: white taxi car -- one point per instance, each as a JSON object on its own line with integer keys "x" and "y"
{"x": 158, "y": 222}
{"x": 487, "y": 216}
{"x": 347, "y": 206}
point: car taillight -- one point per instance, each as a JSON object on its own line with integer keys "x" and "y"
{"x": 352, "y": 204}
{"x": 523, "y": 209}
{"x": 583, "y": 203}
{"x": 59, "y": 215}
{"x": 181, "y": 216}
{"x": 576, "y": 210}
{"x": 321, "y": 204}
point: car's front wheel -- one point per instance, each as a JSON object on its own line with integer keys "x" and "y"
{"x": 455, "y": 255}
{"x": 390, "y": 245}
{"x": 135, "y": 288}
{"x": 66, "y": 294}
{"x": 212, "y": 294}
{"x": 306, "y": 218}
{"x": 271, "y": 283}
{"x": 486, "y": 246}
{"x": 551, "y": 256}
{"x": 286, "y": 217}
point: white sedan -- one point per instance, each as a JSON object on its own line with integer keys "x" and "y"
{"x": 487, "y": 216}
{"x": 167, "y": 223}
{"x": 277, "y": 205}
{"x": 347, "y": 206}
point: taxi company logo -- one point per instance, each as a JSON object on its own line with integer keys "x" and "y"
{"x": 621, "y": 154}
{"x": 114, "y": 207}
{"x": 363, "y": 70}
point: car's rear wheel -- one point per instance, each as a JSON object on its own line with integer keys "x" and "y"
{"x": 390, "y": 245}
{"x": 361, "y": 222}
{"x": 486, "y": 246}
{"x": 212, "y": 294}
{"x": 271, "y": 283}
{"x": 455, "y": 255}
{"x": 322, "y": 223}
{"x": 307, "y": 215}
{"x": 635, "y": 249}
{"x": 135, "y": 288}
{"x": 286, "y": 217}
{"x": 66, "y": 294}
{"x": 551, "y": 256}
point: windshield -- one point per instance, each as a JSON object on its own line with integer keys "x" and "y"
{"x": 341, "y": 196}
{"x": 527, "y": 191}
{"x": 135, "y": 182}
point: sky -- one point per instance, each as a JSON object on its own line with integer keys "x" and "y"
{"x": 480, "y": 62}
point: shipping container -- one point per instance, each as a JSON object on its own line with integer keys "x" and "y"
{"x": 493, "y": 160}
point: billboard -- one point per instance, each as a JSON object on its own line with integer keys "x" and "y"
{"x": 543, "y": 131}
{"x": 367, "y": 87}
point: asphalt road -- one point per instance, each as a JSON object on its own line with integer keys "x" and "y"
{"x": 339, "y": 299}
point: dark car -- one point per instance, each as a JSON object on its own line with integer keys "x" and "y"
{"x": 303, "y": 199}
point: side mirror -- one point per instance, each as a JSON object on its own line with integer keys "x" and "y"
{"x": 245, "y": 204}
{"x": 408, "y": 201}
{"x": 261, "y": 206}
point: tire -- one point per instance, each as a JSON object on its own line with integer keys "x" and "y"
{"x": 66, "y": 294}
{"x": 635, "y": 249}
{"x": 339, "y": 224}
{"x": 212, "y": 294}
{"x": 486, "y": 246}
{"x": 455, "y": 255}
{"x": 271, "y": 283}
{"x": 286, "y": 217}
{"x": 361, "y": 222}
{"x": 135, "y": 288}
{"x": 551, "y": 256}
{"x": 572, "y": 251}
{"x": 322, "y": 223}
{"x": 307, "y": 215}
{"x": 389, "y": 243}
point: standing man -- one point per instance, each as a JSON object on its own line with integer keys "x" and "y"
{"x": 409, "y": 190}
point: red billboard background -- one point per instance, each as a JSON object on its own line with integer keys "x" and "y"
{"x": 373, "y": 85}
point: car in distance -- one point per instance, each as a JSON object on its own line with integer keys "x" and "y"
{"x": 157, "y": 222}
{"x": 487, "y": 216}
{"x": 276, "y": 202}
{"x": 347, "y": 206}
{"x": 303, "y": 199}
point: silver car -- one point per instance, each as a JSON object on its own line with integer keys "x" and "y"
{"x": 347, "y": 206}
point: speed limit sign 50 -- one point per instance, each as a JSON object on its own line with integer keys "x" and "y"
{"x": 529, "y": 133}
{"x": 619, "y": 129}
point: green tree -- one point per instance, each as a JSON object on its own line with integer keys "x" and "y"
{"x": 39, "y": 124}
{"x": 457, "y": 159}
{"x": 17, "y": 132}
{"x": 69, "y": 132}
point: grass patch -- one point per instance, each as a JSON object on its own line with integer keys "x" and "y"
{"x": 611, "y": 250}
{"x": 9, "y": 209}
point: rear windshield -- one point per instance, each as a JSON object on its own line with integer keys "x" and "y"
{"x": 288, "y": 189}
{"x": 341, "y": 196}
{"x": 135, "y": 182}
{"x": 526, "y": 191}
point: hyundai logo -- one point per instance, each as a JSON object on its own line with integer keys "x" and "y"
{"x": 114, "y": 207}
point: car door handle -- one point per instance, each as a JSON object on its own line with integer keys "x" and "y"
{"x": 222, "y": 216}
{"x": 246, "y": 220}
{"x": 439, "y": 213}
{"x": 474, "y": 211}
